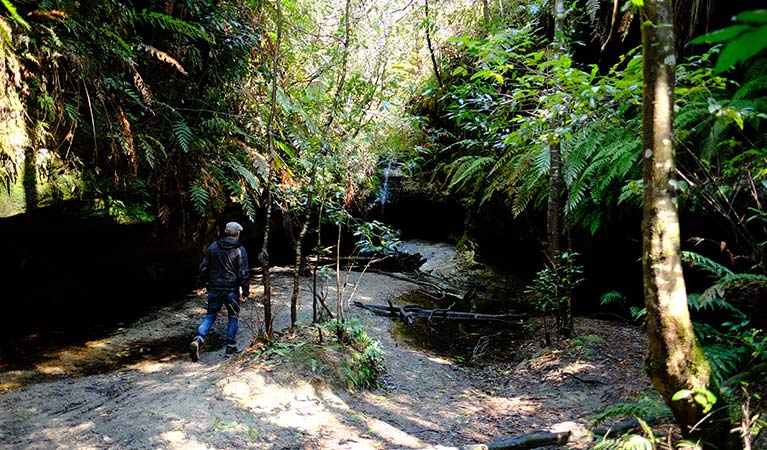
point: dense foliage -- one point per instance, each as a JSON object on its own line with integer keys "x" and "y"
{"x": 176, "y": 112}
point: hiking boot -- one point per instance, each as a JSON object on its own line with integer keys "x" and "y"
{"x": 230, "y": 350}
{"x": 194, "y": 349}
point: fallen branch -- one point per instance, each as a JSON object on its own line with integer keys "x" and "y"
{"x": 407, "y": 313}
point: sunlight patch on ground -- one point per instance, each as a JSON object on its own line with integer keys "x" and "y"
{"x": 391, "y": 434}
{"x": 438, "y": 360}
{"x": 150, "y": 366}
{"x": 101, "y": 343}
{"x": 578, "y": 366}
{"x": 179, "y": 441}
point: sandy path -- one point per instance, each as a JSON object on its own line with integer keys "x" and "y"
{"x": 168, "y": 402}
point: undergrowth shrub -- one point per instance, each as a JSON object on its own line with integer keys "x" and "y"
{"x": 340, "y": 354}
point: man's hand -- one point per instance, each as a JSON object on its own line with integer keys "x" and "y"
{"x": 200, "y": 292}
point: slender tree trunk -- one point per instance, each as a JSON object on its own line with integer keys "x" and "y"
{"x": 675, "y": 362}
{"x": 339, "y": 282}
{"x": 564, "y": 319}
{"x": 313, "y": 177}
{"x": 486, "y": 13}
{"x": 299, "y": 247}
{"x": 263, "y": 257}
{"x": 434, "y": 64}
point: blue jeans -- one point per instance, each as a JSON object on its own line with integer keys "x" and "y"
{"x": 216, "y": 300}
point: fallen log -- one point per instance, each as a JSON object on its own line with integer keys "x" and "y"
{"x": 409, "y": 312}
{"x": 550, "y": 438}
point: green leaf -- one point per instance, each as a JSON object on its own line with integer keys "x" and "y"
{"x": 461, "y": 70}
{"x": 722, "y": 35}
{"x": 12, "y": 10}
{"x": 639, "y": 3}
{"x": 755, "y": 17}
{"x": 742, "y": 48}
{"x": 681, "y": 395}
{"x": 485, "y": 74}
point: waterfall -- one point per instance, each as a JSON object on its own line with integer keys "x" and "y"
{"x": 383, "y": 193}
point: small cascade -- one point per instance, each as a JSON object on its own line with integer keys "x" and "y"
{"x": 383, "y": 193}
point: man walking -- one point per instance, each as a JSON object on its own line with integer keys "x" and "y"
{"x": 224, "y": 270}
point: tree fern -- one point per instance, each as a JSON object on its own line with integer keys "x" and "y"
{"x": 468, "y": 169}
{"x": 505, "y": 173}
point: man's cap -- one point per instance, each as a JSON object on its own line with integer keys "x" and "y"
{"x": 232, "y": 228}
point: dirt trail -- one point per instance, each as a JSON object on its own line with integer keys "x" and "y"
{"x": 164, "y": 401}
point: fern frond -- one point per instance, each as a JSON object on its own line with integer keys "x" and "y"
{"x": 706, "y": 264}
{"x": 644, "y": 407}
{"x": 249, "y": 206}
{"x": 151, "y": 146}
{"x": 183, "y": 135}
{"x": 741, "y": 282}
{"x": 199, "y": 197}
{"x": 592, "y": 8}
{"x": 245, "y": 173}
{"x": 166, "y": 22}
{"x": 611, "y": 297}
{"x": 466, "y": 169}
{"x": 15, "y": 14}
{"x": 725, "y": 359}
{"x": 232, "y": 186}
{"x": 631, "y": 193}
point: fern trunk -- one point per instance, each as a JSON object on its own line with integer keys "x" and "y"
{"x": 675, "y": 362}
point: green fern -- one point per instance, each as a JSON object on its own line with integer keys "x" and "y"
{"x": 166, "y": 22}
{"x": 725, "y": 359}
{"x": 644, "y": 407}
{"x": 245, "y": 173}
{"x": 611, "y": 297}
{"x": 626, "y": 442}
{"x": 468, "y": 169}
{"x": 151, "y": 147}
{"x": 232, "y": 185}
{"x": 249, "y": 205}
{"x": 15, "y": 14}
{"x": 600, "y": 157}
{"x": 706, "y": 264}
{"x": 199, "y": 197}
{"x": 744, "y": 283}
{"x": 183, "y": 135}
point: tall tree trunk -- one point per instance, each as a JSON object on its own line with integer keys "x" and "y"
{"x": 564, "y": 318}
{"x": 263, "y": 257}
{"x": 675, "y": 362}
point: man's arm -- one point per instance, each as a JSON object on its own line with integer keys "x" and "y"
{"x": 203, "y": 272}
{"x": 244, "y": 274}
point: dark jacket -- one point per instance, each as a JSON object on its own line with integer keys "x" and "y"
{"x": 225, "y": 267}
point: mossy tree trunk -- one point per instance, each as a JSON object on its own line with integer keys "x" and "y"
{"x": 675, "y": 362}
